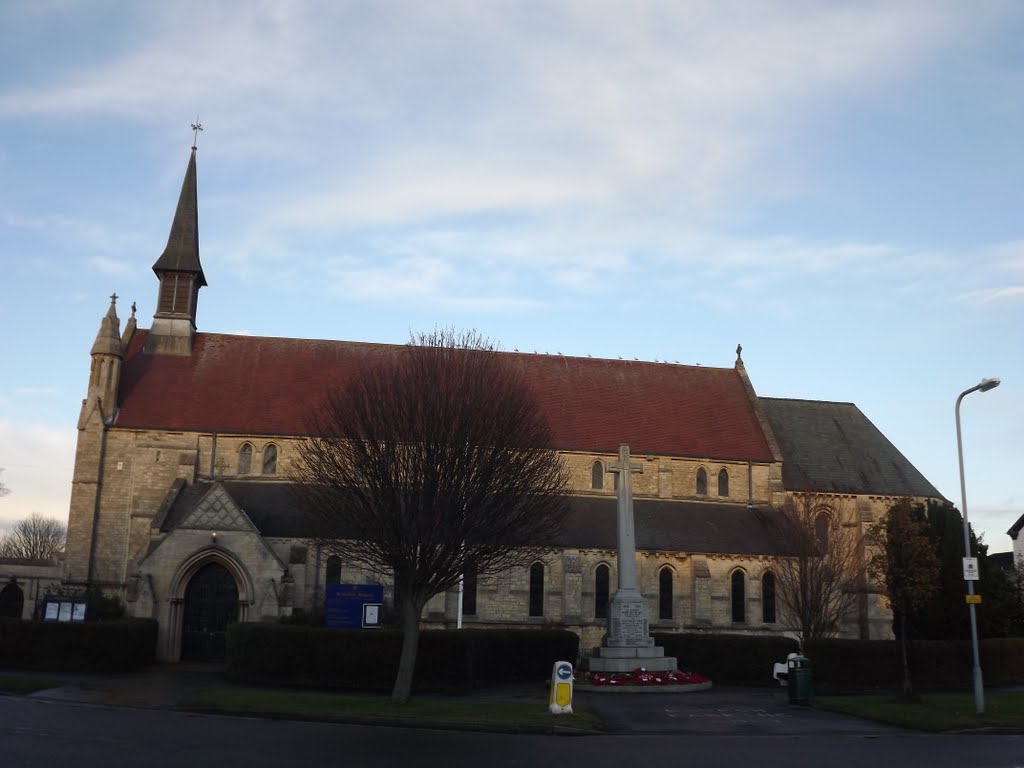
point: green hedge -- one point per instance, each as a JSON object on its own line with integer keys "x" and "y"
{"x": 462, "y": 660}
{"x": 728, "y": 659}
{"x": 367, "y": 660}
{"x": 97, "y": 646}
{"x": 850, "y": 664}
{"x": 1002, "y": 660}
{"x": 846, "y": 664}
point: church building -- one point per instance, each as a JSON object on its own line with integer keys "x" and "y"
{"x": 181, "y": 508}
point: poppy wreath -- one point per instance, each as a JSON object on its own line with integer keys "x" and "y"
{"x": 641, "y": 676}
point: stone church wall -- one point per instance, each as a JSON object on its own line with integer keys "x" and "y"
{"x": 674, "y": 478}
{"x": 139, "y": 466}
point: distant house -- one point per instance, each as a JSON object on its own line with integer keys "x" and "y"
{"x": 1018, "y": 541}
{"x": 180, "y": 504}
{"x": 1001, "y": 560}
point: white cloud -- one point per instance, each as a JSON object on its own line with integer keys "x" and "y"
{"x": 116, "y": 267}
{"x": 1009, "y": 255}
{"x": 412, "y": 277}
{"x": 410, "y": 190}
{"x": 989, "y": 295}
{"x": 32, "y": 391}
{"x": 82, "y": 234}
{"x": 488, "y": 305}
{"x": 38, "y": 461}
{"x": 479, "y": 107}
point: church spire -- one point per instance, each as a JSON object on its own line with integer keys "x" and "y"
{"x": 108, "y": 340}
{"x": 180, "y": 274}
{"x": 105, "y": 377}
{"x": 182, "y": 251}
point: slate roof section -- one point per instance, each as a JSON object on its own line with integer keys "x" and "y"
{"x": 1016, "y": 528}
{"x": 661, "y": 525}
{"x": 676, "y": 526}
{"x": 833, "y": 448}
{"x": 268, "y": 386}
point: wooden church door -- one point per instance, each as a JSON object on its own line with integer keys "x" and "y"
{"x": 211, "y": 603}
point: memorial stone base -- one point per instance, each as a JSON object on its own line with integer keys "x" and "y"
{"x": 628, "y": 645}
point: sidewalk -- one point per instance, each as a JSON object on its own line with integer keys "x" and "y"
{"x": 163, "y": 686}
{"x": 719, "y": 710}
{"x": 169, "y": 686}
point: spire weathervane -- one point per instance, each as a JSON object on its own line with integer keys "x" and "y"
{"x": 196, "y": 128}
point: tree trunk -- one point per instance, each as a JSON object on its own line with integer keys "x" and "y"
{"x": 410, "y": 645}
{"x": 906, "y": 689}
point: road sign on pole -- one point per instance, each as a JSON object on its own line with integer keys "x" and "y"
{"x": 970, "y": 569}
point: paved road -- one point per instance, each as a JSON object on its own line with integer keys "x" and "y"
{"x": 49, "y": 733}
{"x": 722, "y": 711}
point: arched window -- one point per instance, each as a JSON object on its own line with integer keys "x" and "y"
{"x": 723, "y": 482}
{"x": 768, "y": 598}
{"x": 537, "y": 589}
{"x": 245, "y": 459}
{"x": 702, "y": 482}
{"x": 665, "y": 593}
{"x": 469, "y": 590}
{"x": 333, "y": 570}
{"x": 597, "y": 476}
{"x": 601, "y": 592}
{"x": 739, "y": 598}
{"x": 270, "y": 460}
{"x": 821, "y": 525}
{"x": 12, "y": 600}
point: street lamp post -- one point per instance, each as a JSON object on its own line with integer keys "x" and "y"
{"x": 979, "y": 692}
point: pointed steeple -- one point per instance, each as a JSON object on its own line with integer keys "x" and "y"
{"x": 180, "y": 274}
{"x": 182, "y": 251}
{"x": 105, "y": 376}
{"x": 108, "y": 340}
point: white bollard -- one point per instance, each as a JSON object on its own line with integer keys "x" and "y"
{"x": 560, "y": 700}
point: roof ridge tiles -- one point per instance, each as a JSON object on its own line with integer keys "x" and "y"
{"x": 590, "y": 359}
{"x": 809, "y": 400}
{"x": 268, "y": 385}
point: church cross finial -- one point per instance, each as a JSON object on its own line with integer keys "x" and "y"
{"x": 113, "y": 298}
{"x": 196, "y": 128}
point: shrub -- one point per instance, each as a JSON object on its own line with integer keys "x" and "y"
{"x": 1002, "y": 660}
{"x": 95, "y": 646}
{"x": 729, "y": 659}
{"x": 367, "y": 660}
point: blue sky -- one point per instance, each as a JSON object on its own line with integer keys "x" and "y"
{"x": 836, "y": 186}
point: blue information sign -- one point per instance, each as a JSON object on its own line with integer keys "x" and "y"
{"x": 344, "y": 603}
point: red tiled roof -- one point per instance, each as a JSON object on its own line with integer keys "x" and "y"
{"x": 261, "y": 385}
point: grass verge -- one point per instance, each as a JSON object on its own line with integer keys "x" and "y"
{"x": 22, "y": 684}
{"x": 328, "y": 706}
{"x": 934, "y": 712}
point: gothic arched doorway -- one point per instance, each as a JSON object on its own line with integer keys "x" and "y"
{"x": 211, "y": 603}
{"x": 12, "y": 601}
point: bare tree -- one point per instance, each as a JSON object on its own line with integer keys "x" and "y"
{"x": 819, "y": 584}
{"x": 34, "y": 538}
{"x": 908, "y": 568}
{"x": 433, "y": 462}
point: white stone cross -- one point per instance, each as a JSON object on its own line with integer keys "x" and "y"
{"x": 627, "y": 536}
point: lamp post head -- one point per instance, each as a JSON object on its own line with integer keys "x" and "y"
{"x": 987, "y": 384}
